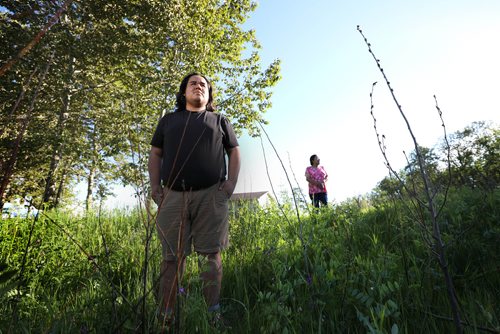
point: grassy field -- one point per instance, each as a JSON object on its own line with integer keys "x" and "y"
{"x": 355, "y": 267}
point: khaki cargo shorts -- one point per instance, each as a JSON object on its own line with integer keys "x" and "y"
{"x": 193, "y": 219}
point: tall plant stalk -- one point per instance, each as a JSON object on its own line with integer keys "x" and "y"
{"x": 436, "y": 241}
{"x": 301, "y": 227}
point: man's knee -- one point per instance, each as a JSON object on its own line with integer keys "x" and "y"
{"x": 172, "y": 266}
{"x": 213, "y": 257}
{"x": 211, "y": 260}
{"x": 168, "y": 263}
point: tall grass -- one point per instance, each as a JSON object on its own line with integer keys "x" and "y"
{"x": 369, "y": 272}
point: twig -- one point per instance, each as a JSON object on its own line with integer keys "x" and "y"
{"x": 448, "y": 156}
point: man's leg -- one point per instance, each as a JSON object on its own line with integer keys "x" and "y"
{"x": 211, "y": 276}
{"x": 171, "y": 274}
{"x": 210, "y": 229}
{"x": 173, "y": 231}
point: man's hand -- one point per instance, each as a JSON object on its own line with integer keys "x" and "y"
{"x": 233, "y": 171}
{"x": 154, "y": 167}
{"x": 228, "y": 187}
{"x": 157, "y": 194}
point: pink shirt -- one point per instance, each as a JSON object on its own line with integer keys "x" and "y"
{"x": 317, "y": 174}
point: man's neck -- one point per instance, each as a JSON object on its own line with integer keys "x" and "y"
{"x": 192, "y": 108}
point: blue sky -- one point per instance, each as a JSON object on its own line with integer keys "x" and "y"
{"x": 321, "y": 106}
{"x": 443, "y": 48}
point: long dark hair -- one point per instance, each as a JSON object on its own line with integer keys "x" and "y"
{"x": 311, "y": 159}
{"x": 180, "y": 103}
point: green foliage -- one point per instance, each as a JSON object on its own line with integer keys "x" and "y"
{"x": 362, "y": 269}
{"x": 471, "y": 161}
{"x": 475, "y": 156}
{"x": 361, "y": 266}
{"x": 7, "y": 284}
{"x": 113, "y": 69}
{"x": 471, "y": 216}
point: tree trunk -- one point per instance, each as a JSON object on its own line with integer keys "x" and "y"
{"x": 8, "y": 168}
{"x": 23, "y": 91}
{"x": 92, "y": 169}
{"x": 60, "y": 187}
{"x": 50, "y": 183}
{"x": 90, "y": 186}
{"x": 53, "y": 20}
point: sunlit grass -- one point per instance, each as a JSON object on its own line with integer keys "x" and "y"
{"x": 357, "y": 270}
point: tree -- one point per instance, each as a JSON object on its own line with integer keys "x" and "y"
{"x": 116, "y": 67}
{"x": 475, "y": 156}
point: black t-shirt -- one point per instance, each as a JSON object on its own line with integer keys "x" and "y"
{"x": 193, "y": 146}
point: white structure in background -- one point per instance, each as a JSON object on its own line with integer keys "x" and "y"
{"x": 249, "y": 196}
{"x": 18, "y": 208}
{"x": 250, "y": 199}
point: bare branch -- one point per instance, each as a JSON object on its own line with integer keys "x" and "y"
{"x": 437, "y": 246}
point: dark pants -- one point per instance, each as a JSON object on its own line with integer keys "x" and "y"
{"x": 319, "y": 197}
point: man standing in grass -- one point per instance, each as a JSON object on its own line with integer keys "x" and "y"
{"x": 187, "y": 171}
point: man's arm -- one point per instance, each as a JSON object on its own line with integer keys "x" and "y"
{"x": 233, "y": 170}
{"x": 154, "y": 168}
